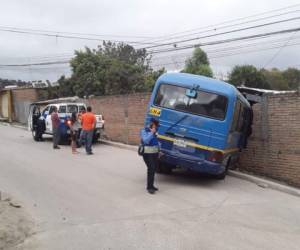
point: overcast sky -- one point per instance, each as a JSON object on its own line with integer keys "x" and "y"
{"x": 130, "y": 20}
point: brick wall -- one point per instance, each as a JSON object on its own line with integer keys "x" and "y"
{"x": 274, "y": 146}
{"x": 124, "y": 115}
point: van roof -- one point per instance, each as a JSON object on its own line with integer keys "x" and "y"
{"x": 203, "y": 82}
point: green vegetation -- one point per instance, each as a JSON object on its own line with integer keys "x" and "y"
{"x": 198, "y": 64}
{"x": 110, "y": 69}
{"x": 275, "y": 79}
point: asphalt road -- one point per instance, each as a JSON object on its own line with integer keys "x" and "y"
{"x": 99, "y": 202}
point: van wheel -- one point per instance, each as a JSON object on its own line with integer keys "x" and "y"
{"x": 34, "y": 135}
{"x": 223, "y": 175}
{"x": 164, "y": 168}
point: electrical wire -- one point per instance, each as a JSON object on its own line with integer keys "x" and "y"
{"x": 227, "y": 26}
{"x": 224, "y": 33}
{"x": 226, "y": 40}
{"x": 230, "y": 21}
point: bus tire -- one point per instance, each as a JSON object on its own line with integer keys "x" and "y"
{"x": 223, "y": 175}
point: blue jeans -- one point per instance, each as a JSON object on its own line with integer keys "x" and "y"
{"x": 87, "y": 136}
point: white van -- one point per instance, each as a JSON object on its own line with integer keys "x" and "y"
{"x": 65, "y": 110}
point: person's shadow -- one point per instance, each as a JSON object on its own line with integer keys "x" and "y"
{"x": 189, "y": 178}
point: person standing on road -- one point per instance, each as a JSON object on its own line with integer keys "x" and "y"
{"x": 150, "y": 155}
{"x": 74, "y": 127}
{"x": 88, "y": 122}
{"x": 55, "y": 128}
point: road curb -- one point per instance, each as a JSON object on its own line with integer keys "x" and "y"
{"x": 265, "y": 183}
{"x": 119, "y": 145}
{"x": 13, "y": 125}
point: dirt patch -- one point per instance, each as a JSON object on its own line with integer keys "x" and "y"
{"x": 15, "y": 224}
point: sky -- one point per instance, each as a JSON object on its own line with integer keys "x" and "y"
{"x": 143, "y": 21}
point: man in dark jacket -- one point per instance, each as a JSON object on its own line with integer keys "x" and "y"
{"x": 55, "y": 128}
{"x": 150, "y": 156}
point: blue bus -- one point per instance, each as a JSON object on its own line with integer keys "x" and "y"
{"x": 204, "y": 123}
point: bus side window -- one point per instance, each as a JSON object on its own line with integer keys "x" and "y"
{"x": 241, "y": 122}
{"x": 235, "y": 120}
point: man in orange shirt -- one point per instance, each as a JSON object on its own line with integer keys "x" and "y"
{"x": 88, "y": 122}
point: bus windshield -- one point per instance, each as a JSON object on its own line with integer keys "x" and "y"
{"x": 204, "y": 104}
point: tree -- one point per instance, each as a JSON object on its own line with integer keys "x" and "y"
{"x": 110, "y": 69}
{"x": 198, "y": 64}
{"x": 275, "y": 79}
{"x": 292, "y": 77}
{"x": 248, "y": 76}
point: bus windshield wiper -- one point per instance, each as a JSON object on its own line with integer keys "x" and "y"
{"x": 180, "y": 120}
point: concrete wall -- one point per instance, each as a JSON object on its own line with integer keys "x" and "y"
{"x": 22, "y": 98}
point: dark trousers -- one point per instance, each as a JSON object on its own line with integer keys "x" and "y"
{"x": 56, "y": 136}
{"x": 87, "y": 136}
{"x": 151, "y": 161}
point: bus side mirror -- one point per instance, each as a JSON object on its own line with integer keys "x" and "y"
{"x": 191, "y": 93}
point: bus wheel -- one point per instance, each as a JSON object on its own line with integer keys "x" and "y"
{"x": 164, "y": 168}
{"x": 223, "y": 175}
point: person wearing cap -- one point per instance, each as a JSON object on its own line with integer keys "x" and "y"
{"x": 150, "y": 155}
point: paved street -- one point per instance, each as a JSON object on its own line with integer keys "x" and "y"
{"x": 99, "y": 202}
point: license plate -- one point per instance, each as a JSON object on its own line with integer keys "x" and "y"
{"x": 180, "y": 143}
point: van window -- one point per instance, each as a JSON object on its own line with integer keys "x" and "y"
{"x": 72, "y": 108}
{"x": 204, "y": 104}
{"x": 46, "y": 109}
{"x": 62, "y": 109}
{"x": 82, "y": 108}
{"x": 51, "y": 109}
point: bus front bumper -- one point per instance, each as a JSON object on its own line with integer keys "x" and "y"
{"x": 190, "y": 162}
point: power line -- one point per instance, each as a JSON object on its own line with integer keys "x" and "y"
{"x": 226, "y": 40}
{"x": 34, "y": 64}
{"x": 180, "y": 48}
{"x": 230, "y": 54}
{"x": 227, "y": 26}
{"x": 71, "y": 33}
{"x": 235, "y": 47}
{"x": 223, "y": 33}
{"x": 278, "y": 52}
{"x": 71, "y": 36}
{"x": 231, "y": 21}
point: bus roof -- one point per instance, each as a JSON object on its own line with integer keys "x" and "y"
{"x": 203, "y": 82}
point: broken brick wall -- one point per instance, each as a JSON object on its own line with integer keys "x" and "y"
{"x": 274, "y": 146}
